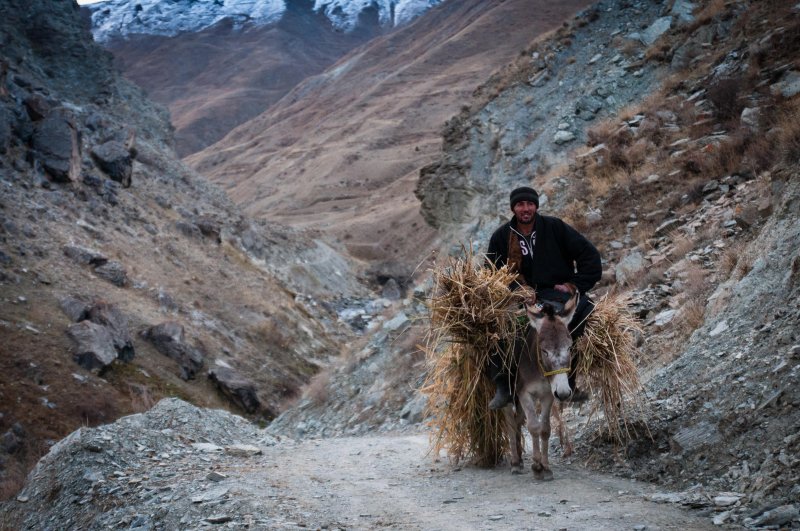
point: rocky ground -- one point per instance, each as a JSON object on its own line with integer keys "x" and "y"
{"x": 180, "y": 467}
{"x": 654, "y": 153}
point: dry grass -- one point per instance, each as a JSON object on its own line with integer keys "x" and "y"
{"x": 472, "y": 312}
{"x": 607, "y": 353}
{"x": 317, "y": 389}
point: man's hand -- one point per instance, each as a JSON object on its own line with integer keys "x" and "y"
{"x": 562, "y": 287}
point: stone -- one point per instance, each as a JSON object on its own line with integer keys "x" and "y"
{"x": 168, "y": 338}
{"x": 682, "y": 11}
{"x": 587, "y": 106}
{"x": 779, "y": 516}
{"x": 391, "y": 290}
{"x": 664, "y": 317}
{"x": 113, "y": 272}
{"x": 397, "y": 322}
{"x": 94, "y": 345}
{"x": 237, "y": 389}
{"x": 658, "y": 28}
{"x": 36, "y": 106}
{"x": 216, "y": 476}
{"x": 725, "y": 501}
{"x": 84, "y": 255}
{"x": 243, "y": 450}
{"x": 751, "y": 117}
{"x": 562, "y": 137}
{"x": 115, "y": 160}
{"x": 76, "y": 309}
{"x": 667, "y": 226}
{"x": 721, "y": 327}
{"x": 693, "y": 437}
{"x": 207, "y": 447}
{"x": 109, "y": 316}
{"x": 788, "y": 86}
{"x": 57, "y": 146}
{"x": 629, "y": 267}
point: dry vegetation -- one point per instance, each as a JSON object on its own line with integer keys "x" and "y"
{"x": 472, "y": 314}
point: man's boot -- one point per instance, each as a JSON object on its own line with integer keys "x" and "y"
{"x": 502, "y": 394}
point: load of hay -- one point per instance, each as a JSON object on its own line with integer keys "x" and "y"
{"x": 472, "y": 314}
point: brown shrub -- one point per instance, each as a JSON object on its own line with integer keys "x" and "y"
{"x": 724, "y": 95}
{"x": 318, "y": 389}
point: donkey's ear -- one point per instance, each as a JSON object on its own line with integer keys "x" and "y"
{"x": 571, "y": 305}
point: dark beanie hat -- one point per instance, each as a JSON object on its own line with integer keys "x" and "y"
{"x": 524, "y": 193}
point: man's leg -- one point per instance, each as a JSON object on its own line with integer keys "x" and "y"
{"x": 576, "y": 327}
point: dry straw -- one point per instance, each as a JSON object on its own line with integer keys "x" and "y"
{"x": 472, "y": 314}
{"x": 607, "y": 352}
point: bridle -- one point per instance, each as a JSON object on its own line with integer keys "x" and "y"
{"x": 546, "y": 374}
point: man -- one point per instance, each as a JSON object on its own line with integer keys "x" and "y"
{"x": 547, "y": 253}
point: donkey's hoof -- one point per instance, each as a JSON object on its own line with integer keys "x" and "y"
{"x": 541, "y": 473}
{"x": 516, "y": 469}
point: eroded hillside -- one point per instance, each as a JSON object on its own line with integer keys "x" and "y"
{"x": 125, "y": 276}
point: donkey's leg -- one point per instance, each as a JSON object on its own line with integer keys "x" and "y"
{"x": 544, "y": 432}
{"x": 513, "y": 431}
{"x": 534, "y": 428}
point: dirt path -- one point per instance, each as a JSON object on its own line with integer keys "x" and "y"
{"x": 390, "y": 482}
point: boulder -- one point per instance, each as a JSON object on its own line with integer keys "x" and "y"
{"x": 682, "y": 11}
{"x": 113, "y": 272}
{"x": 788, "y": 86}
{"x": 629, "y": 267}
{"x": 36, "y": 106}
{"x": 94, "y": 345}
{"x": 168, "y": 339}
{"x": 115, "y": 160}
{"x": 562, "y": 137}
{"x": 238, "y": 390}
{"x": 658, "y": 28}
{"x": 76, "y": 309}
{"x": 84, "y": 255}
{"x": 104, "y": 314}
{"x": 57, "y": 146}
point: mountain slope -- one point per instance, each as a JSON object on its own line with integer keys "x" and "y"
{"x": 105, "y": 235}
{"x": 341, "y": 152}
{"x": 216, "y": 78}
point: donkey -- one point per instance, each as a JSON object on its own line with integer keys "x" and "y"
{"x": 544, "y": 361}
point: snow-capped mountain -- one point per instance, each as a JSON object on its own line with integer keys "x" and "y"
{"x": 114, "y": 18}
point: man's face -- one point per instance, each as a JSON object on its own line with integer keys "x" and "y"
{"x": 525, "y": 211}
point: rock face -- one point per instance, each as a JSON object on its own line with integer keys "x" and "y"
{"x": 239, "y": 390}
{"x": 168, "y": 338}
{"x": 533, "y": 124}
{"x": 58, "y": 146}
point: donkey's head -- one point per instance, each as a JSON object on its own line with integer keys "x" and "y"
{"x": 550, "y": 319}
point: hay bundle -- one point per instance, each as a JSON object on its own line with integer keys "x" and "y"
{"x": 472, "y": 314}
{"x": 607, "y": 351}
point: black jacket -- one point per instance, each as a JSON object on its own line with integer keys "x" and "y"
{"x": 556, "y": 255}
